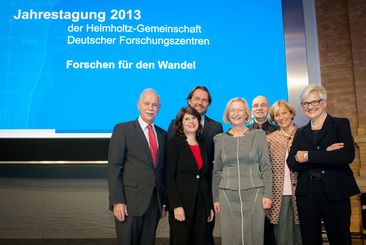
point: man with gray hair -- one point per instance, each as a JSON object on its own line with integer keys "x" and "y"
{"x": 136, "y": 174}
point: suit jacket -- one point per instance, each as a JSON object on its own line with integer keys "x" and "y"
{"x": 278, "y": 145}
{"x": 337, "y": 177}
{"x": 266, "y": 127}
{"x": 131, "y": 173}
{"x": 184, "y": 179}
{"x": 210, "y": 129}
{"x": 250, "y": 152}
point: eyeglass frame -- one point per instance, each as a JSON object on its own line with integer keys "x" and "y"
{"x": 306, "y": 105}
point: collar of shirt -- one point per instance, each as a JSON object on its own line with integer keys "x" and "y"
{"x": 203, "y": 118}
{"x": 144, "y": 125}
{"x": 264, "y": 125}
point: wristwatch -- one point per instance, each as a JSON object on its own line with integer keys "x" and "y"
{"x": 305, "y": 155}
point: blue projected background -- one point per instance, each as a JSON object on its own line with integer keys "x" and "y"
{"x": 49, "y": 48}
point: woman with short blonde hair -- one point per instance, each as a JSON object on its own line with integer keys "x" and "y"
{"x": 283, "y": 214}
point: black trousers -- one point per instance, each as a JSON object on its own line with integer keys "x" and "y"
{"x": 209, "y": 233}
{"x": 315, "y": 207}
{"x": 193, "y": 230}
{"x": 269, "y": 238}
{"x": 139, "y": 230}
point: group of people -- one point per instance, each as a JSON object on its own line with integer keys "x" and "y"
{"x": 271, "y": 182}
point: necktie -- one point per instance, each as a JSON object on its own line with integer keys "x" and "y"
{"x": 152, "y": 144}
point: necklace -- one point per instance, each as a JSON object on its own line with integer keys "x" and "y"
{"x": 287, "y": 132}
{"x": 246, "y": 131}
{"x": 192, "y": 142}
{"x": 319, "y": 123}
{"x": 238, "y": 134}
{"x": 315, "y": 125}
{"x": 287, "y": 135}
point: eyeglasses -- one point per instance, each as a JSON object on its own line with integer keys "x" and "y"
{"x": 313, "y": 103}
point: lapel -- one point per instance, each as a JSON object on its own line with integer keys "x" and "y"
{"x": 144, "y": 144}
{"x": 203, "y": 155}
{"x": 161, "y": 142}
{"x": 204, "y": 158}
{"x": 322, "y": 132}
{"x": 189, "y": 154}
{"x": 309, "y": 135}
{"x": 206, "y": 126}
{"x": 325, "y": 129}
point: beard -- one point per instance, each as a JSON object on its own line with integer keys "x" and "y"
{"x": 200, "y": 108}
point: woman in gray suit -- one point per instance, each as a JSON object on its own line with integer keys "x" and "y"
{"x": 242, "y": 178}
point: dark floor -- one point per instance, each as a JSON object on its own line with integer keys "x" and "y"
{"x": 106, "y": 241}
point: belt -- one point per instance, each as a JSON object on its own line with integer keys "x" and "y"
{"x": 314, "y": 178}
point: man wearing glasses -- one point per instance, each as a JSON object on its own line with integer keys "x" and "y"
{"x": 260, "y": 110}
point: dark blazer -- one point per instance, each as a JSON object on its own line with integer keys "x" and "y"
{"x": 266, "y": 127}
{"x": 210, "y": 129}
{"x": 184, "y": 180}
{"x": 337, "y": 177}
{"x": 131, "y": 174}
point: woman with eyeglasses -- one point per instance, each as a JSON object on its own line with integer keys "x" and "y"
{"x": 321, "y": 153}
{"x": 241, "y": 178}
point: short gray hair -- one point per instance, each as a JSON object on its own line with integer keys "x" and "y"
{"x": 313, "y": 88}
{"x": 149, "y": 90}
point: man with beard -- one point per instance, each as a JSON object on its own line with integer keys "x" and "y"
{"x": 260, "y": 109}
{"x": 200, "y": 99}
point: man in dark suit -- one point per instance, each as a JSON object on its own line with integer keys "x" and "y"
{"x": 260, "y": 110}
{"x": 136, "y": 174}
{"x": 200, "y": 99}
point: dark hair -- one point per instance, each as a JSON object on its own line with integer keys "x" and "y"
{"x": 179, "y": 131}
{"x": 190, "y": 95}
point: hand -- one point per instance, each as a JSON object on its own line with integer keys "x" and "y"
{"x": 301, "y": 156}
{"x": 217, "y": 207}
{"x": 335, "y": 146}
{"x": 163, "y": 212}
{"x": 267, "y": 203}
{"x": 120, "y": 211}
{"x": 179, "y": 214}
{"x": 211, "y": 216}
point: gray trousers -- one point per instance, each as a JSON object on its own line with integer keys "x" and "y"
{"x": 286, "y": 231}
{"x": 242, "y": 216}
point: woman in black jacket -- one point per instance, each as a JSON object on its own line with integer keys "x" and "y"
{"x": 189, "y": 197}
{"x": 321, "y": 153}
